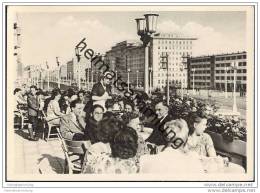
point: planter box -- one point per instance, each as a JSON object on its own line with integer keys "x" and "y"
{"x": 236, "y": 147}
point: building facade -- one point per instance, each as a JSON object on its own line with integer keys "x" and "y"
{"x": 176, "y": 47}
{"x": 127, "y": 56}
{"x": 217, "y": 72}
{"x": 130, "y": 56}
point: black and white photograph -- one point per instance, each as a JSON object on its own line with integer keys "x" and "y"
{"x": 130, "y": 93}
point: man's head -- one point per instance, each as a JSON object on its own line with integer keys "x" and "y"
{"x": 129, "y": 106}
{"x": 97, "y": 112}
{"x": 81, "y": 95}
{"x": 161, "y": 109}
{"x": 33, "y": 89}
{"x": 106, "y": 78}
{"x": 76, "y": 107}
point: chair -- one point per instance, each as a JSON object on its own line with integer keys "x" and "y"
{"x": 74, "y": 152}
{"x": 50, "y": 128}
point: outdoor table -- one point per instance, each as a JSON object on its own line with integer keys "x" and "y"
{"x": 145, "y": 133}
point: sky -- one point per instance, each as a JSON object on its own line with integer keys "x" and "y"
{"x": 48, "y": 35}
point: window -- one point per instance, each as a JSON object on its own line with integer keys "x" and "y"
{"x": 158, "y": 81}
{"x": 244, "y": 70}
{"x": 244, "y": 78}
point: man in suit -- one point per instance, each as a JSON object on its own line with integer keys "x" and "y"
{"x": 156, "y": 137}
{"x": 73, "y": 124}
{"x": 33, "y": 110}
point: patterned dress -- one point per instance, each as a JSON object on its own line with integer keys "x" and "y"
{"x": 202, "y": 144}
{"x": 98, "y": 160}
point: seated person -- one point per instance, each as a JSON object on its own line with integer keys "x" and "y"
{"x": 129, "y": 106}
{"x": 162, "y": 112}
{"x": 53, "y": 110}
{"x": 73, "y": 124}
{"x": 198, "y": 141}
{"x": 92, "y": 122}
{"x": 65, "y": 104}
{"x": 119, "y": 158}
{"x": 172, "y": 158}
{"x": 81, "y": 97}
{"x": 132, "y": 120}
{"x": 109, "y": 106}
{"x": 19, "y": 99}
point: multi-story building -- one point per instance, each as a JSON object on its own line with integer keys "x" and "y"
{"x": 176, "y": 47}
{"x": 216, "y": 71}
{"x": 74, "y": 68}
{"x": 63, "y": 72}
{"x": 124, "y": 56}
{"x": 130, "y": 55}
{"x": 70, "y": 70}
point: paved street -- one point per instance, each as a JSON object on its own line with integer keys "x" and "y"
{"x": 37, "y": 157}
{"x": 219, "y": 99}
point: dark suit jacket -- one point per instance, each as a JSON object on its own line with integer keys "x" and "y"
{"x": 69, "y": 128}
{"x": 98, "y": 89}
{"x": 91, "y": 130}
{"x": 33, "y": 105}
{"x": 157, "y": 137}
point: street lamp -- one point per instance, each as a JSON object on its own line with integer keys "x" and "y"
{"x": 165, "y": 65}
{"x": 150, "y": 78}
{"x": 234, "y": 68}
{"x": 193, "y": 82}
{"x": 145, "y": 28}
{"x": 184, "y": 66}
{"x": 70, "y": 78}
{"x": 137, "y": 71}
{"x": 58, "y": 63}
{"x": 128, "y": 82}
{"x": 225, "y": 81}
{"x": 78, "y": 59}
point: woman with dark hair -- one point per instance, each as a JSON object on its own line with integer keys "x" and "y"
{"x": 198, "y": 141}
{"x": 92, "y": 121}
{"x": 65, "y": 103}
{"x": 117, "y": 156}
{"x": 53, "y": 110}
{"x": 132, "y": 120}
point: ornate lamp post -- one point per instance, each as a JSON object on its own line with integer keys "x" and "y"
{"x": 145, "y": 28}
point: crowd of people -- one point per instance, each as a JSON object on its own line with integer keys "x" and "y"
{"x": 115, "y": 127}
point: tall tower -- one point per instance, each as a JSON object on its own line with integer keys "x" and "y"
{"x": 17, "y": 49}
